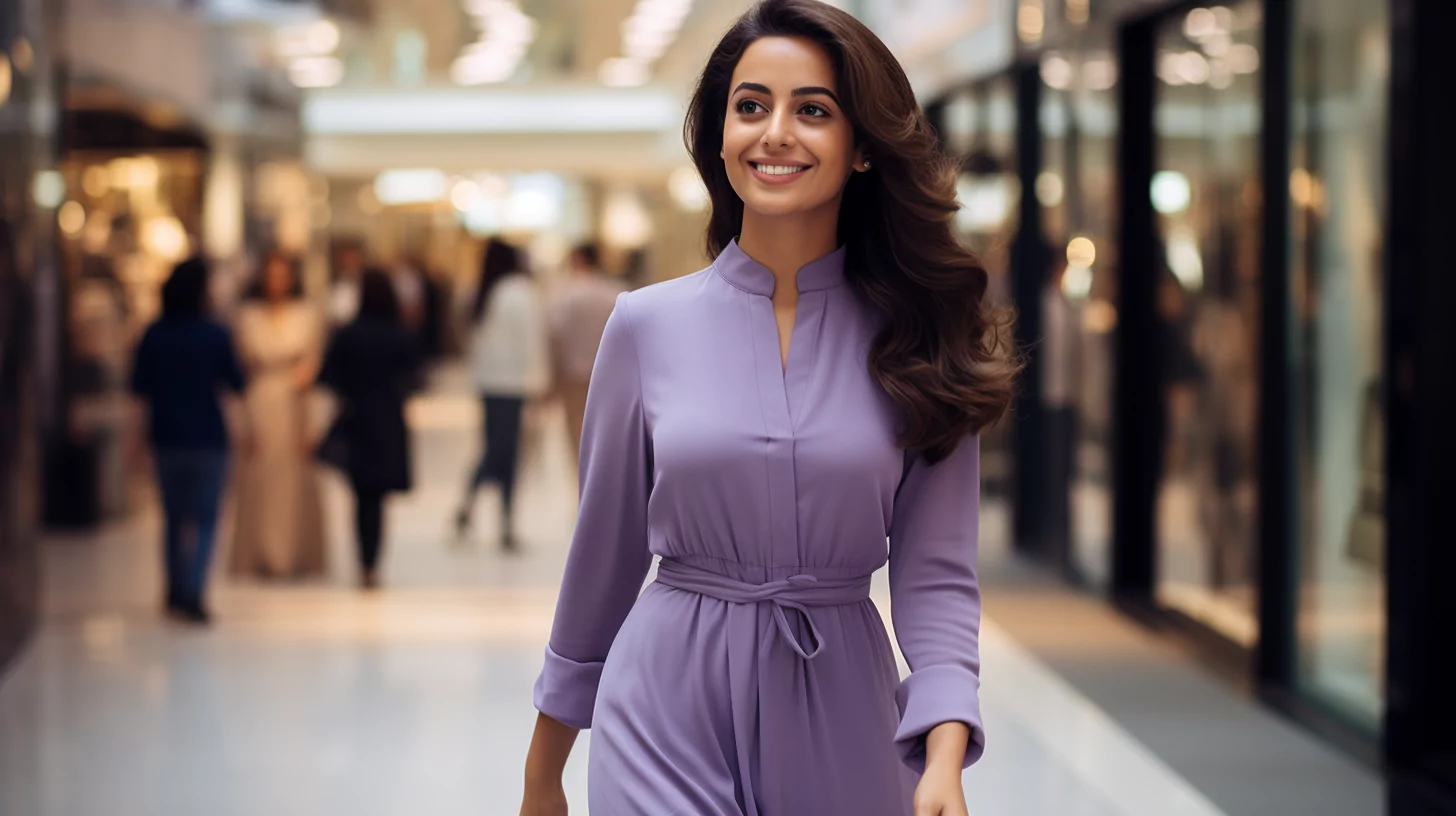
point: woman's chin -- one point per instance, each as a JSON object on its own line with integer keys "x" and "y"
{"x": 783, "y": 206}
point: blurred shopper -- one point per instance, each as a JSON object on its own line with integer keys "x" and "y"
{"x": 370, "y": 366}
{"x": 1061, "y": 343}
{"x": 279, "y": 511}
{"x": 410, "y": 290}
{"x": 184, "y": 361}
{"x": 344, "y": 289}
{"x": 576, "y": 317}
{"x": 765, "y": 425}
{"x": 510, "y": 363}
{"x": 432, "y": 327}
{"x": 637, "y": 271}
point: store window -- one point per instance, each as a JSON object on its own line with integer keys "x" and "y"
{"x": 1076, "y": 190}
{"x": 1207, "y": 196}
{"x": 1338, "y": 198}
{"x": 980, "y": 131}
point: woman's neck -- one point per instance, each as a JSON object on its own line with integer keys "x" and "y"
{"x": 787, "y": 243}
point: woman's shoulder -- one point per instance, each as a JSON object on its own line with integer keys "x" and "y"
{"x": 658, "y": 301}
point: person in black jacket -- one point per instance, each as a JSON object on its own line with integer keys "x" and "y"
{"x": 184, "y": 361}
{"x": 370, "y": 365}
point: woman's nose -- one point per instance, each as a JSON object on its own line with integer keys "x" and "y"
{"x": 779, "y": 131}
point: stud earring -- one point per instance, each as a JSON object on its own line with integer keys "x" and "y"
{"x": 867, "y": 164}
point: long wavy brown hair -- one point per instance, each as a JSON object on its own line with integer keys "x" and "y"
{"x": 944, "y": 355}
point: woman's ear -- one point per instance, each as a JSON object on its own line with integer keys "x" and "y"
{"x": 861, "y": 160}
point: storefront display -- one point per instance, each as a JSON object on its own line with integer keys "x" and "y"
{"x": 1206, "y": 191}
{"x": 1338, "y": 198}
{"x": 28, "y": 313}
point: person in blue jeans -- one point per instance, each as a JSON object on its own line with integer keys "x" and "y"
{"x": 184, "y": 364}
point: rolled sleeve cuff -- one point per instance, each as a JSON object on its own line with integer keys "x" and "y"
{"x": 566, "y": 691}
{"x": 932, "y": 696}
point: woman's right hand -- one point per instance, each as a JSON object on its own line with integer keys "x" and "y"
{"x": 544, "y": 799}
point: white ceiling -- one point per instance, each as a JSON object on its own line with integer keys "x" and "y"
{"x": 553, "y": 115}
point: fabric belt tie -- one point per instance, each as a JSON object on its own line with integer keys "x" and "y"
{"x": 798, "y": 592}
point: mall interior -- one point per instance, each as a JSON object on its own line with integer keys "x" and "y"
{"x": 1210, "y": 547}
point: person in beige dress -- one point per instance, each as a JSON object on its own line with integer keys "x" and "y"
{"x": 279, "y": 513}
{"x": 576, "y": 317}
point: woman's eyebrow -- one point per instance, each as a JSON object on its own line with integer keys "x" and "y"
{"x": 753, "y": 86}
{"x": 814, "y": 90}
{"x": 810, "y": 90}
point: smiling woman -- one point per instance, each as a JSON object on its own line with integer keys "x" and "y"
{"x": 801, "y": 110}
{"x": 765, "y": 425}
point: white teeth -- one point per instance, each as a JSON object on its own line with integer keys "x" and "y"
{"x": 779, "y": 170}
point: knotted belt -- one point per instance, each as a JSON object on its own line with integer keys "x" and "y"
{"x": 798, "y": 592}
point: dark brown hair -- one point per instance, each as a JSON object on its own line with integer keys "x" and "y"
{"x": 185, "y": 292}
{"x": 377, "y": 298}
{"x": 941, "y": 356}
{"x": 500, "y": 259}
{"x": 295, "y": 270}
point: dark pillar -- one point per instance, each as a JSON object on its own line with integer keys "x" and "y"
{"x": 1278, "y": 582}
{"x": 1137, "y": 402}
{"x": 1420, "y": 732}
{"x": 1028, "y": 273}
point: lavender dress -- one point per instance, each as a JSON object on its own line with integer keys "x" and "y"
{"x": 754, "y": 676}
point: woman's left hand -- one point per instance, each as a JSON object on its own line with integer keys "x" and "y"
{"x": 940, "y": 793}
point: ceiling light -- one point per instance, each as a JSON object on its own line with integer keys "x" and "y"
{"x": 507, "y": 34}
{"x": 72, "y": 218}
{"x": 410, "y": 186}
{"x": 646, "y": 35}
{"x": 48, "y": 189}
{"x": 316, "y": 72}
{"x": 323, "y": 37}
{"x": 1243, "y": 58}
{"x": 1050, "y": 190}
{"x": 623, "y": 72}
{"x": 1199, "y": 23}
{"x": 1081, "y": 251}
{"x": 1030, "y": 20}
{"x": 1171, "y": 192}
{"x": 1077, "y": 282}
{"x": 1193, "y": 68}
{"x": 314, "y": 39}
{"x": 465, "y": 194}
{"x": 1056, "y": 72}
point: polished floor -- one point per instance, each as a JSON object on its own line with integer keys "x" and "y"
{"x": 315, "y": 699}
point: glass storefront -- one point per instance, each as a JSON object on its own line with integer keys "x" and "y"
{"x": 1338, "y": 197}
{"x": 1202, "y": 525}
{"x": 1207, "y": 196}
{"x": 29, "y": 192}
{"x": 980, "y": 131}
{"x": 1077, "y": 191}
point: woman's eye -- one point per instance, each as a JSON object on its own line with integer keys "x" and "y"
{"x": 749, "y": 106}
{"x": 813, "y": 109}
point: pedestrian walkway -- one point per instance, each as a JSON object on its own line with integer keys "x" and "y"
{"x": 316, "y": 699}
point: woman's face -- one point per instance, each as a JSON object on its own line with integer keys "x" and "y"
{"x": 788, "y": 145}
{"x": 277, "y": 280}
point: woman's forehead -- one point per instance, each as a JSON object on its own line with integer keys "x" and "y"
{"x": 785, "y": 63}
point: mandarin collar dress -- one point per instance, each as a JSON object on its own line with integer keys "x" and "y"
{"x": 754, "y": 676}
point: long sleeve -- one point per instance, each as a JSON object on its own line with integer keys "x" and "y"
{"x": 935, "y": 600}
{"x": 609, "y": 556}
